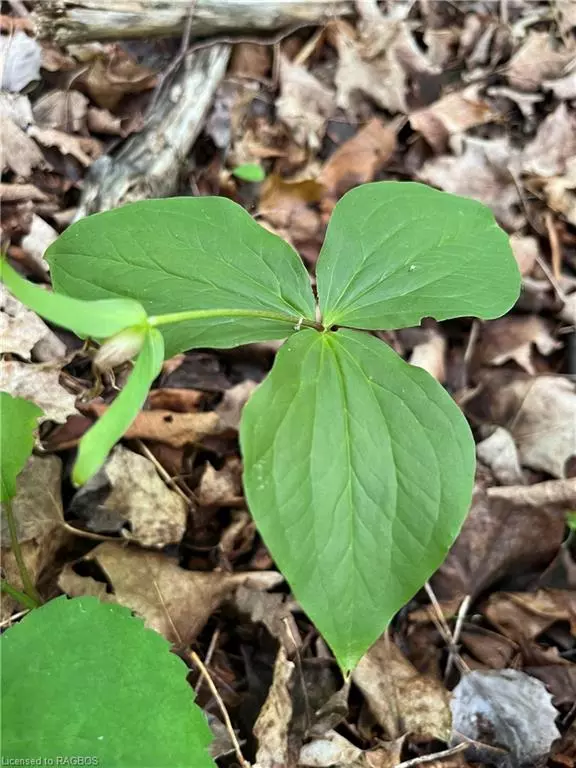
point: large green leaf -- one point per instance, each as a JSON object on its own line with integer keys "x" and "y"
{"x": 186, "y": 254}
{"x": 98, "y": 441}
{"x": 396, "y": 252}
{"x": 18, "y": 420}
{"x": 84, "y": 678}
{"x": 97, "y": 319}
{"x": 358, "y": 471}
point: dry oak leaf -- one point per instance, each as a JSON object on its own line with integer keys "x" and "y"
{"x": 173, "y": 601}
{"x": 63, "y": 110}
{"x": 553, "y": 146}
{"x": 522, "y": 616}
{"x": 400, "y": 698}
{"x": 358, "y": 160}
{"x": 304, "y": 104}
{"x": 454, "y": 113}
{"x": 39, "y": 383}
{"x": 537, "y": 60}
{"x": 512, "y": 338}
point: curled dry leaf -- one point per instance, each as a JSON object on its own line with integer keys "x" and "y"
{"x": 19, "y": 152}
{"x": 506, "y": 709}
{"x": 537, "y": 60}
{"x": 63, "y": 110}
{"x": 220, "y": 487}
{"x": 103, "y": 121}
{"x": 37, "y": 240}
{"x": 523, "y": 616}
{"x": 83, "y": 149}
{"x": 499, "y": 453}
{"x": 499, "y": 538}
{"x": 112, "y": 74}
{"x": 400, "y": 698}
{"x": 553, "y": 146}
{"x": 272, "y": 611}
{"x": 39, "y": 383}
{"x": 284, "y": 202}
{"x": 358, "y": 160}
{"x": 21, "y": 57}
{"x": 512, "y": 338}
{"x": 175, "y": 602}
{"x": 479, "y": 169}
{"x": 21, "y": 329}
{"x": 560, "y": 192}
{"x": 454, "y": 113}
{"x": 304, "y": 103}
{"x": 526, "y": 252}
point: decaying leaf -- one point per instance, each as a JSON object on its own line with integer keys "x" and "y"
{"x": 522, "y": 616}
{"x": 563, "y": 87}
{"x": 560, "y": 192}
{"x": 526, "y": 251}
{"x": 21, "y": 330}
{"x": 512, "y": 338}
{"x": 39, "y": 383}
{"x": 272, "y": 611}
{"x": 553, "y": 146}
{"x": 21, "y": 56}
{"x": 400, "y": 698}
{"x": 229, "y": 409}
{"x": 499, "y": 453}
{"x": 112, "y": 74}
{"x": 19, "y": 152}
{"x": 175, "y": 602}
{"x": 304, "y": 103}
{"x": 431, "y": 355}
{"x": 63, "y": 110}
{"x": 537, "y": 60}
{"x": 284, "y": 203}
{"x": 37, "y": 240}
{"x": 83, "y": 149}
{"x": 220, "y": 487}
{"x": 505, "y": 709}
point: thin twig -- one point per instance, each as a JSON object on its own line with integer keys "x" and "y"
{"x": 197, "y": 661}
{"x": 162, "y": 472}
{"x": 462, "y": 611}
{"x": 555, "y": 247}
{"x": 27, "y": 582}
{"x": 431, "y": 758}
{"x": 209, "y": 653}
{"x": 551, "y": 279}
{"x": 444, "y": 630}
{"x": 13, "y": 618}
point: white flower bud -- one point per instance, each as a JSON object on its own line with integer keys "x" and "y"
{"x": 120, "y": 348}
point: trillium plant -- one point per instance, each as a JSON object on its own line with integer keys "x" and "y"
{"x": 358, "y": 467}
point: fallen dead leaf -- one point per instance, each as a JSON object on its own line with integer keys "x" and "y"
{"x": 431, "y": 355}
{"x": 230, "y": 408}
{"x": 499, "y": 538}
{"x": 39, "y": 383}
{"x": 83, "y": 148}
{"x": 526, "y": 252}
{"x": 400, "y": 698}
{"x": 250, "y": 61}
{"x": 454, "y": 113}
{"x": 513, "y": 338}
{"x": 220, "y": 487}
{"x": 112, "y": 74}
{"x": 63, "y": 110}
{"x": 284, "y": 205}
{"x": 175, "y": 400}
{"x": 21, "y": 330}
{"x": 499, "y": 453}
{"x": 358, "y": 160}
{"x": 553, "y": 146}
{"x": 272, "y": 611}
{"x": 563, "y": 87}
{"x": 560, "y": 192}
{"x": 505, "y": 709}
{"x": 537, "y": 60}
{"x": 35, "y": 243}
{"x": 21, "y": 56}
{"x": 304, "y": 103}
{"x": 522, "y": 616}
{"x": 175, "y": 602}
{"x": 491, "y": 649}
{"x": 103, "y": 121}
{"x": 12, "y": 193}
{"x": 19, "y": 152}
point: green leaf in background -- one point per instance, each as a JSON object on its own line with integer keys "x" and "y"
{"x": 187, "y": 254}
{"x": 80, "y": 677}
{"x": 98, "y": 319}
{"x": 396, "y": 252}
{"x": 98, "y": 441}
{"x": 18, "y": 420}
{"x": 358, "y": 472}
{"x": 249, "y": 172}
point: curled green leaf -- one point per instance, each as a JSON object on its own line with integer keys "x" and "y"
{"x": 97, "y": 319}
{"x": 100, "y": 439}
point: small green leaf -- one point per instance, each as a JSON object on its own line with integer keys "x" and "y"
{"x": 96, "y": 319}
{"x": 249, "y": 172}
{"x": 98, "y": 441}
{"x": 187, "y": 254}
{"x": 358, "y": 472}
{"x": 18, "y": 420}
{"x": 396, "y": 252}
{"x": 84, "y": 678}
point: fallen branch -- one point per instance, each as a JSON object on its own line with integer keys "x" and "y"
{"x": 552, "y": 492}
{"x": 150, "y": 162}
{"x": 78, "y": 21}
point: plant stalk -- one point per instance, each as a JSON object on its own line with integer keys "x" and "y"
{"x": 27, "y": 582}
{"x": 23, "y": 599}
{"x": 201, "y": 314}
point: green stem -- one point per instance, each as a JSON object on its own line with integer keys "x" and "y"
{"x": 201, "y": 314}
{"x": 27, "y": 582}
{"x": 23, "y": 599}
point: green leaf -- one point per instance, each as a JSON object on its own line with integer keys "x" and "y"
{"x": 98, "y": 441}
{"x": 18, "y": 420}
{"x": 358, "y": 472}
{"x": 396, "y": 252}
{"x": 80, "y": 677}
{"x": 182, "y": 254}
{"x": 97, "y": 319}
{"x": 249, "y": 172}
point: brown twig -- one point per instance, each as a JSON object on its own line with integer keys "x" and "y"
{"x": 432, "y": 758}
{"x": 555, "y": 247}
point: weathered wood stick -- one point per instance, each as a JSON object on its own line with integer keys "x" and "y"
{"x": 77, "y": 21}
{"x": 149, "y": 163}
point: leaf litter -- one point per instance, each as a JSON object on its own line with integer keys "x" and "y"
{"x": 476, "y": 99}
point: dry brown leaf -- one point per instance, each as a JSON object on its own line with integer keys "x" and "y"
{"x": 37, "y": 240}
{"x": 512, "y": 338}
{"x": 526, "y": 251}
{"x": 39, "y": 383}
{"x": 284, "y": 204}
{"x": 454, "y": 113}
{"x": 479, "y": 170}
{"x": 178, "y": 400}
{"x": 175, "y": 602}
{"x": 498, "y": 538}
{"x": 21, "y": 329}
{"x": 304, "y": 103}
{"x": 431, "y": 355}
{"x": 272, "y": 728}
{"x": 537, "y": 60}
{"x": 157, "y": 515}
{"x": 229, "y": 409}
{"x": 176, "y": 429}
{"x": 272, "y": 611}
{"x": 499, "y": 453}
{"x": 523, "y": 616}
{"x": 83, "y": 149}
{"x": 19, "y": 152}
{"x": 13, "y": 193}
{"x": 560, "y": 192}
{"x": 400, "y": 698}
{"x": 491, "y": 649}
{"x": 115, "y": 74}
{"x": 63, "y": 110}
{"x": 553, "y": 146}
{"x": 250, "y": 60}
{"x": 358, "y": 160}
{"x": 21, "y": 56}
{"x": 103, "y": 121}
{"x": 220, "y": 487}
